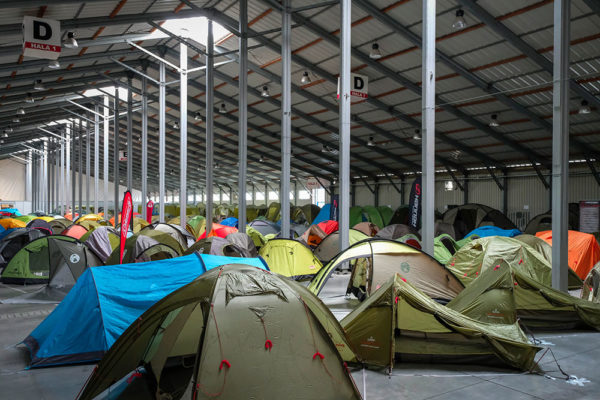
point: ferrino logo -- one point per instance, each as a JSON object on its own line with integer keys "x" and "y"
{"x": 416, "y": 205}
{"x": 74, "y": 258}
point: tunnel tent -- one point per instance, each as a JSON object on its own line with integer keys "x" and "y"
{"x": 252, "y": 316}
{"x": 330, "y": 245}
{"x": 539, "y": 306}
{"x": 591, "y": 285}
{"x": 372, "y": 215}
{"x": 375, "y": 260}
{"x": 290, "y": 258}
{"x": 538, "y": 244}
{"x": 583, "y": 249}
{"x": 368, "y": 228}
{"x": 265, "y": 227}
{"x": 386, "y": 213}
{"x": 151, "y": 245}
{"x": 56, "y": 260}
{"x": 59, "y": 225}
{"x": 467, "y": 217}
{"x": 14, "y": 241}
{"x": 489, "y": 298}
{"x": 400, "y": 323}
{"x": 102, "y": 241}
{"x": 42, "y": 225}
{"x": 395, "y": 231}
{"x": 106, "y": 300}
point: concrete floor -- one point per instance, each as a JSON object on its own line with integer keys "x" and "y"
{"x": 578, "y": 353}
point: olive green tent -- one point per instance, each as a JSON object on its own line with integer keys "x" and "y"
{"x": 376, "y": 260}
{"x": 356, "y": 215}
{"x": 538, "y": 304}
{"x": 444, "y": 247}
{"x": 195, "y": 224}
{"x": 150, "y": 245}
{"x": 273, "y": 212}
{"x": 59, "y": 225}
{"x": 401, "y": 323}
{"x": 373, "y": 215}
{"x": 538, "y": 244}
{"x": 310, "y": 212}
{"x": 386, "y": 214}
{"x": 57, "y": 260}
{"x": 591, "y": 285}
{"x": 290, "y": 258}
{"x": 236, "y": 332}
{"x": 330, "y": 245}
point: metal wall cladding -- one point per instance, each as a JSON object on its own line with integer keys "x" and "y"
{"x": 526, "y": 197}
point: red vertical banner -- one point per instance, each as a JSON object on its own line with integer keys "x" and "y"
{"x": 149, "y": 210}
{"x": 126, "y": 217}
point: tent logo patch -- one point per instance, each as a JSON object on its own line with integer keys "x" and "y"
{"x": 405, "y": 267}
{"x": 74, "y": 258}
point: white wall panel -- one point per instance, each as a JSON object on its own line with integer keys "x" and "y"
{"x": 12, "y": 180}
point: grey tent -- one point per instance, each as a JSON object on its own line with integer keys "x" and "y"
{"x": 396, "y": 231}
{"x": 265, "y": 227}
{"x": 102, "y": 241}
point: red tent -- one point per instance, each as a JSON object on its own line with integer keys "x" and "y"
{"x": 328, "y": 226}
{"x": 219, "y": 230}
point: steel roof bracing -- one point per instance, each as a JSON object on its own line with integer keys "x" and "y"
{"x": 499, "y": 64}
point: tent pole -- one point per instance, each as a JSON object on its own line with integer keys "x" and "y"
{"x": 560, "y": 145}
{"x": 210, "y": 107}
{"x": 243, "y": 115}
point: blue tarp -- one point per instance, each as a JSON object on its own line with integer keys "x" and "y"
{"x": 323, "y": 215}
{"x": 231, "y": 221}
{"x": 106, "y": 300}
{"x": 490, "y": 230}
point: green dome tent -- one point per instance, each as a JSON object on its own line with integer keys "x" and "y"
{"x": 290, "y": 258}
{"x": 400, "y": 322}
{"x": 236, "y": 332}
{"x": 150, "y": 245}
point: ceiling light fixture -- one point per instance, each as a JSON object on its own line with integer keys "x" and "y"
{"x": 16, "y": 120}
{"x": 265, "y": 92}
{"x": 20, "y": 111}
{"x": 585, "y": 108}
{"x": 29, "y": 98}
{"x": 54, "y": 64}
{"x": 305, "y": 78}
{"x": 8, "y": 130}
{"x": 371, "y": 142}
{"x": 417, "y": 135}
{"x": 494, "y": 121}
{"x": 70, "y": 43}
{"x": 223, "y": 108}
{"x": 38, "y": 85}
{"x": 261, "y": 159}
{"x": 175, "y": 125}
{"x": 197, "y": 117}
{"x": 375, "y": 53}
{"x": 459, "y": 20}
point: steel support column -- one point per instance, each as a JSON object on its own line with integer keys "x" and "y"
{"x": 344, "y": 144}
{"x": 144, "y": 146}
{"x": 88, "y": 160}
{"x": 428, "y": 127}
{"x": 183, "y": 100}
{"x": 210, "y": 108}
{"x": 286, "y": 116}
{"x": 116, "y": 155}
{"x": 105, "y": 143}
{"x": 62, "y": 192}
{"x": 73, "y": 183}
{"x": 129, "y": 132}
{"x": 161, "y": 142}
{"x": 560, "y": 145}
{"x": 80, "y": 167}
{"x": 96, "y": 156}
{"x": 243, "y": 115}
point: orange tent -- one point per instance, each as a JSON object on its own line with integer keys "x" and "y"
{"x": 69, "y": 216}
{"x": 75, "y": 231}
{"x": 112, "y": 220}
{"x": 584, "y": 251}
{"x": 219, "y": 230}
{"x": 8, "y": 223}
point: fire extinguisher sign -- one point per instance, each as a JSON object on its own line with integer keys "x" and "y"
{"x": 41, "y": 38}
